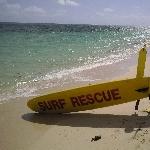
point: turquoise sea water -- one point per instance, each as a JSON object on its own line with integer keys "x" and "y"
{"x": 38, "y": 56}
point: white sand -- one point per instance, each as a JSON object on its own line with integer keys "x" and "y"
{"x": 119, "y": 128}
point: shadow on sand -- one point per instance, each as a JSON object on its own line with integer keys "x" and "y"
{"x": 129, "y": 122}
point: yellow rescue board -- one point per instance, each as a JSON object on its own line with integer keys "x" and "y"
{"x": 91, "y": 97}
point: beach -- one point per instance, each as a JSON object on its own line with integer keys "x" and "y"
{"x": 71, "y": 77}
{"x": 118, "y": 127}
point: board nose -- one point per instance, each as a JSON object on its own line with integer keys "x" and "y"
{"x": 30, "y": 105}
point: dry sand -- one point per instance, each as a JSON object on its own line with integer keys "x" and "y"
{"x": 118, "y": 126}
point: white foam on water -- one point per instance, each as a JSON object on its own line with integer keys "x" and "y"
{"x": 62, "y": 77}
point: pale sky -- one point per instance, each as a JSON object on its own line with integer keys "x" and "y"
{"x": 102, "y": 12}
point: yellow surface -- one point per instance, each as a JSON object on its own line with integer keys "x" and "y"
{"x": 91, "y": 97}
{"x": 141, "y": 63}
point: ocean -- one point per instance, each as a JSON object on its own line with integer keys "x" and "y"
{"x": 34, "y": 57}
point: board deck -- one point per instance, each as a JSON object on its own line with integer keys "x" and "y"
{"x": 91, "y": 97}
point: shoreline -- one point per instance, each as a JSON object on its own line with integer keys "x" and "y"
{"x": 124, "y": 69}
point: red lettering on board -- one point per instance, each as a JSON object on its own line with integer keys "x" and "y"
{"x": 55, "y": 104}
{"x": 107, "y": 95}
{"x": 42, "y": 106}
{"x": 115, "y": 94}
{"x": 52, "y": 104}
{"x": 49, "y": 105}
{"x": 98, "y": 97}
{"x": 75, "y": 101}
{"x": 82, "y": 100}
{"x": 62, "y": 103}
{"x": 90, "y": 99}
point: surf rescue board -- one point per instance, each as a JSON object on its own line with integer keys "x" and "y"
{"x": 91, "y": 97}
{"x": 96, "y": 96}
